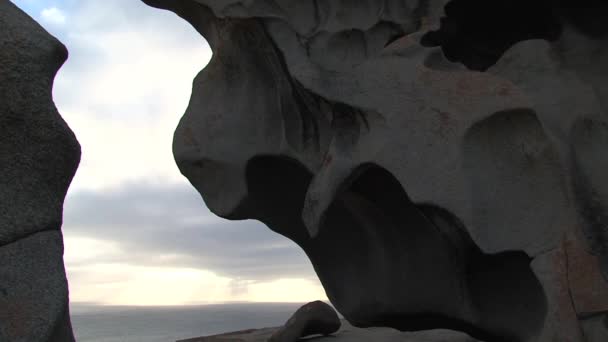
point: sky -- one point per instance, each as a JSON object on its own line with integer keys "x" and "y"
{"x": 136, "y": 232}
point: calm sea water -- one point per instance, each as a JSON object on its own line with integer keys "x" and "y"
{"x": 166, "y": 324}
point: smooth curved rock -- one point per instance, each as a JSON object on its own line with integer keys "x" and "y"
{"x": 442, "y": 163}
{"x": 315, "y": 318}
{"x": 347, "y": 333}
{"x": 39, "y": 156}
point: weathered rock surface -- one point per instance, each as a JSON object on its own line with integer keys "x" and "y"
{"x": 315, "y": 318}
{"x": 347, "y": 333}
{"x": 38, "y": 158}
{"x": 442, "y": 163}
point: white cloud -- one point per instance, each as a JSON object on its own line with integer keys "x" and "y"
{"x": 154, "y": 225}
{"x": 124, "y": 88}
{"x": 122, "y": 91}
{"x": 83, "y": 250}
{"x": 286, "y": 291}
{"x": 53, "y": 15}
{"x": 125, "y": 284}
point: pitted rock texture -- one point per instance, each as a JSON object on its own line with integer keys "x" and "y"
{"x": 315, "y": 318}
{"x": 38, "y": 156}
{"x": 442, "y": 163}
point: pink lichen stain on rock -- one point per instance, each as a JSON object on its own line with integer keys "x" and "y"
{"x": 587, "y": 285}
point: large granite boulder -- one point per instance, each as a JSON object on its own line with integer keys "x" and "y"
{"x": 442, "y": 163}
{"x": 38, "y": 156}
{"x": 347, "y": 333}
{"x": 314, "y": 318}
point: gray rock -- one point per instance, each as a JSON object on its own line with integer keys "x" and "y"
{"x": 439, "y": 173}
{"x": 39, "y": 156}
{"x": 315, "y": 318}
{"x": 347, "y": 333}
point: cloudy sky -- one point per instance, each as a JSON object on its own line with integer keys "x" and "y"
{"x": 136, "y": 232}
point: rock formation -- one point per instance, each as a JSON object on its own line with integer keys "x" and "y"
{"x": 38, "y": 156}
{"x": 315, "y": 318}
{"x": 347, "y": 333}
{"x": 442, "y": 163}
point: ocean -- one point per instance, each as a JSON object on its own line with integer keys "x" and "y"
{"x": 92, "y": 323}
